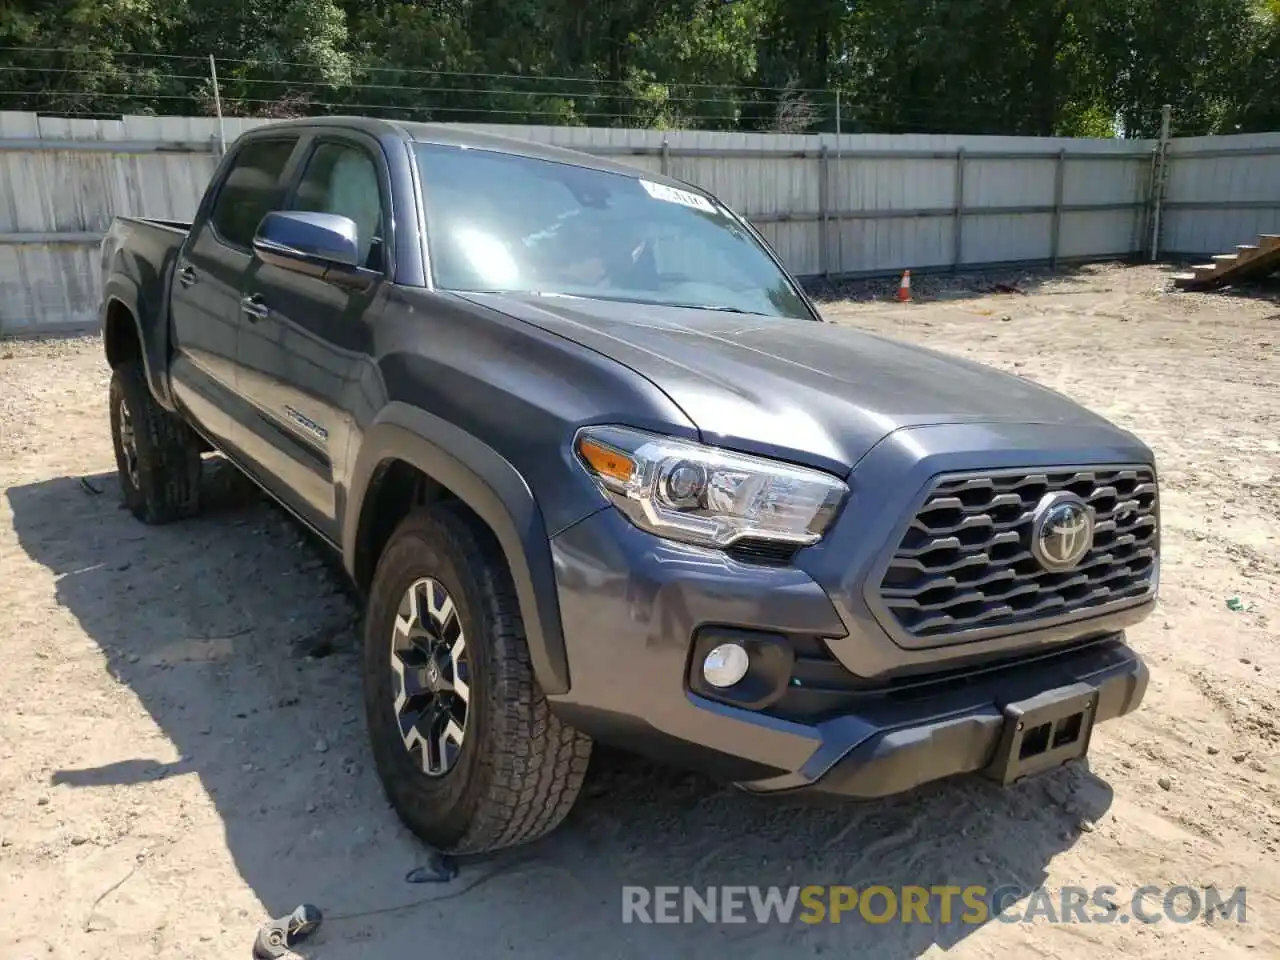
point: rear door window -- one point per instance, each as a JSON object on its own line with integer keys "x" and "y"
{"x": 251, "y": 190}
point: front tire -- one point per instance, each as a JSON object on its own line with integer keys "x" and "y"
{"x": 466, "y": 746}
{"x": 157, "y": 453}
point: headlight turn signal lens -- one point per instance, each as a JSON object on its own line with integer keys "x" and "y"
{"x": 705, "y": 495}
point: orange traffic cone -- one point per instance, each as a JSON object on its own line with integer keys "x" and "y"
{"x": 904, "y": 288}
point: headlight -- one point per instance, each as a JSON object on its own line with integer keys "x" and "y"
{"x": 704, "y": 495}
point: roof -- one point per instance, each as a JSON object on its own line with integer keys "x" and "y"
{"x": 457, "y": 136}
{"x": 479, "y": 140}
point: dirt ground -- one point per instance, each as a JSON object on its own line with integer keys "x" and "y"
{"x": 182, "y": 752}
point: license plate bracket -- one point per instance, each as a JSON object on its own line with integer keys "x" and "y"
{"x": 1044, "y": 732}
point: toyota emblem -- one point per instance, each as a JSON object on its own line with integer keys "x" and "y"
{"x": 1061, "y": 531}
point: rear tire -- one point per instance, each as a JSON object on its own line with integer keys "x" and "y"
{"x": 510, "y": 770}
{"x": 157, "y": 453}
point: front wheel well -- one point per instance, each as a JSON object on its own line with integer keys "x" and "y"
{"x": 397, "y": 488}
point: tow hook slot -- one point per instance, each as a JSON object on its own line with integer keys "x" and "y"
{"x": 1044, "y": 732}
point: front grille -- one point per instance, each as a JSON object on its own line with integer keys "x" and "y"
{"x": 965, "y": 561}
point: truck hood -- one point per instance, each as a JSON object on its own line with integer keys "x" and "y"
{"x": 809, "y": 392}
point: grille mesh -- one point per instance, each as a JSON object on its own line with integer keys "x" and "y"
{"x": 965, "y": 561}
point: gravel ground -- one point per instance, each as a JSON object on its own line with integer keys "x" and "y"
{"x": 181, "y": 750}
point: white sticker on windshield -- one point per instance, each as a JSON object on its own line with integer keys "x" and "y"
{"x": 660, "y": 191}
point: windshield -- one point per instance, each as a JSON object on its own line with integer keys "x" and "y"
{"x": 509, "y": 224}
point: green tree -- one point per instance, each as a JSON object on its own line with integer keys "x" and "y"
{"x": 278, "y": 56}
{"x": 1073, "y": 67}
{"x": 1196, "y": 55}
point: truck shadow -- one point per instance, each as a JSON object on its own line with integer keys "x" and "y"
{"x": 240, "y": 640}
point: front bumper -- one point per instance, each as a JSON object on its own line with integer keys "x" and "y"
{"x": 905, "y": 739}
{"x": 632, "y": 603}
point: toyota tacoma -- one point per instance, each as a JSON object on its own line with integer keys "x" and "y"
{"x": 603, "y": 472}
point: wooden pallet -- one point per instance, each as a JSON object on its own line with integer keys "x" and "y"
{"x": 1251, "y": 261}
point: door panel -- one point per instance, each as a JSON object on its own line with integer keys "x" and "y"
{"x": 205, "y": 302}
{"x": 300, "y": 360}
{"x": 297, "y": 363}
{"x": 205, "y": 317}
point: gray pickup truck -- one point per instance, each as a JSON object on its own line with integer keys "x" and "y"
{"x": 603, "y": 472}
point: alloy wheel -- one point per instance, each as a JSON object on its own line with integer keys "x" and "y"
{"x": 128, "y": 444}
{"x": 431, "y": 676}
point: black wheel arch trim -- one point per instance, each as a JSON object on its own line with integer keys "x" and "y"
{"x": 490, "y": 486}
{"x": 152, "y": 334}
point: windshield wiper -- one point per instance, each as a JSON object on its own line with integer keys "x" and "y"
{"x": 528, "y": 293}
{"x": 554, "y": 294}
{"x": 720, "y": 308}
{"x": 716, "y": 307}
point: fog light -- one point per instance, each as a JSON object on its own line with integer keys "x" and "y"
{"x": 725, "y": 665}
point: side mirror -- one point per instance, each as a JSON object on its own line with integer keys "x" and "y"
{"x": 324, "y": 245}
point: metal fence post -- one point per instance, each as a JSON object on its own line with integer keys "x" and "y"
{"x": 824, "y": 211}
{"x": 839, "y": 192}
{"x": 1142, "y": 208}
{"x": 957, "y": 236}
{"x": 1162, "y": 168}
{"x": 217, "y": 105}
{"x": 1059, "y": 175}
{"x": 666, "y": 157}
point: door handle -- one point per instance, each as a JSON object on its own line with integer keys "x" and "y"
{"x": 187, "y": 275}
{"x": 254, "y": 307}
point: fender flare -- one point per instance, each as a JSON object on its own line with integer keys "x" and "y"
{"x": 124, "y": 291}
{"x": 488, "y": 484}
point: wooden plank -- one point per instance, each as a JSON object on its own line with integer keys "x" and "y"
{"x": 1265, "y": 262}
{"x": 1229, "y": 269}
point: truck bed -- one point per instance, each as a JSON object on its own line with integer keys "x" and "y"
{"x": 151, "y": 239}
{"x": 182, "y": 226}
